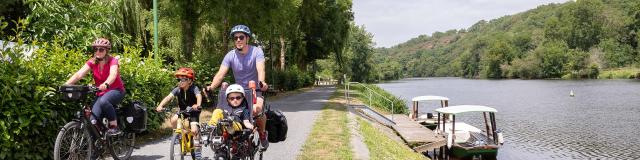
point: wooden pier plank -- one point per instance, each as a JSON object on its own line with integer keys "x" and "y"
{"x": 414, "y": 133}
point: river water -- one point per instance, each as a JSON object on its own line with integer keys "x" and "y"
{"x": 538, "y": 117}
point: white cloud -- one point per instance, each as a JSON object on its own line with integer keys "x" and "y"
{"x": 394, "y": 22}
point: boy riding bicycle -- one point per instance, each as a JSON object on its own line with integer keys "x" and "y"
{"x": 188, "y": 95}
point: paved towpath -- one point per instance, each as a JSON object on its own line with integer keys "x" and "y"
{"x": 300, "y": 109}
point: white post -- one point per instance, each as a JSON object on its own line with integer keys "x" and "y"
{"x": 370, "y": 99}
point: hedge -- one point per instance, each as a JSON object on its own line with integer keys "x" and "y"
{"x": 32, "y": 111}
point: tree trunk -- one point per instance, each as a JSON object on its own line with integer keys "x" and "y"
{"x": 189, "y": 23}
{"x": 282, "y": 52}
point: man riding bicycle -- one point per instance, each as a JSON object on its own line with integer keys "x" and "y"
{"x": 247, "y": 63}
{"x": 106, "y": 75}
{"x": 188, "y": 95}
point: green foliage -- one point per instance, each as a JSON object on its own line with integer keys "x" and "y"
{"x": 620, "y": 73}
{"x": 359, "y": 55}
{"x": 75, "y": 23}
{"x": 290, "y": 79}
{"x": 32, "y": 111}
{"x": 568, "y": 40}
{"x": 379, "y": 101}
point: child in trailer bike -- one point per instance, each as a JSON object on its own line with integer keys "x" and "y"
{"x": 233, "y": 134}
{"x": 188, "y": 95}
{"x": 238, "y": 110}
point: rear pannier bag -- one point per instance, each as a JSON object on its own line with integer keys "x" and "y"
{"x": 276, "y": 125}
{"x": 135, "y": 117}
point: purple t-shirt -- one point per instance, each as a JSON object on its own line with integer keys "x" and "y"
{"x": 244, "y": 66}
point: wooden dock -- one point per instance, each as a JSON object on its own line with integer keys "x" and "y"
{"x": 417, "y": 135}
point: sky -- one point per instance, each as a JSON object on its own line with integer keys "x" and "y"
{"x": 396, "y": 21}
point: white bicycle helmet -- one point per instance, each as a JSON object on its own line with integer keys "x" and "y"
{"x": 235, "y": 88}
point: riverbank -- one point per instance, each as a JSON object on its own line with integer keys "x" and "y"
{"x": 620, "y": 73}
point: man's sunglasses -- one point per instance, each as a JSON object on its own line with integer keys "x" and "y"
{"x": 236, "y": 98}
{"x": 241, "y": 37}
{"x": 182, "y": 79}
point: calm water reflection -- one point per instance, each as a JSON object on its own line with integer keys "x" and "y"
{"x": 539, "y": 118}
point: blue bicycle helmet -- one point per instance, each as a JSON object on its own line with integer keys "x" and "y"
{"x": 240, "y": 28}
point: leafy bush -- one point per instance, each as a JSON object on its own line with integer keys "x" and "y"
{"x": 290, "y": 79}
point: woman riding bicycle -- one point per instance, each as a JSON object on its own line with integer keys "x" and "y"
{"x": 106, "y": 75}
{"x": 188, "y": 95}
{"x": 238, "y": 110}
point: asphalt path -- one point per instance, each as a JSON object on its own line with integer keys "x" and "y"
{"x": 301, "y": 111}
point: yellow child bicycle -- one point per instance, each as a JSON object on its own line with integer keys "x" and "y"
{"x": 182, "y": 142}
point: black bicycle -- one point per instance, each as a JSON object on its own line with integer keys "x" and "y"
{"x": 234, "y": 145}
{"x": 79, "y": 139}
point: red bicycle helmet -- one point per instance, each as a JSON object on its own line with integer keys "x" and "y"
{"x": 185, "y": 71}
{"x": 101, "y": 42}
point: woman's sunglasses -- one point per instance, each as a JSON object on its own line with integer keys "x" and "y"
{"x": 234, "y": 98}
{"x": 100, "y": 49}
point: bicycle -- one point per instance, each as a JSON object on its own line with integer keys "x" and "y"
{"x": 85, "y": 140}
{"x": 183, "y": 137}
{"x": 243, "y": 145}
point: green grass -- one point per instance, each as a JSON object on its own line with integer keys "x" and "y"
{"x": 382, "y": 147}
{"x": 329, "y": 138}
{"x": 620, "y": 73}
{"x": 378, "y": 102}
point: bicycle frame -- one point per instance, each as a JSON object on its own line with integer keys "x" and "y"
{"x": 98, "y": 140}
{"x": 185, "y": 133}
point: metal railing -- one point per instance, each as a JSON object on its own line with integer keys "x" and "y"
{"x": 371, "y": 93}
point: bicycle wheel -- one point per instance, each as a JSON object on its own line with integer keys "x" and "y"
{"x": 176, "y": 148}
{"x": 121, "y": 146}
{"x": 73, "y": 142}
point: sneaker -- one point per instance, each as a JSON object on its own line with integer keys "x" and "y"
{"x": 198, "y": 155}
{"x": 114, "y": 132}
{"x": 264, "y": 144}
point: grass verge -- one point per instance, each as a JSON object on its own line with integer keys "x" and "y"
{"x": 620, "y": 73}
{"x": 382, "y": 147}
{"x": 329, "y": 138}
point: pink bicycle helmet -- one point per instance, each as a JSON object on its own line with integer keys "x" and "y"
{"x": 101, "y": 42}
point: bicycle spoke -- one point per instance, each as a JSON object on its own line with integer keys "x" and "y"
{"x": 74, "y": 144}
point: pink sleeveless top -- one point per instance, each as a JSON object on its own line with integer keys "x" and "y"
{"x": 100, "y": 76}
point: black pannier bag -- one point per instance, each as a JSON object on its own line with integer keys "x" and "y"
{"x": 276, "y": 125}
{"x": 135, "y": 117}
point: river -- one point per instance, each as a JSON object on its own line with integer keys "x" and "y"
{"x": 538, "y": 117}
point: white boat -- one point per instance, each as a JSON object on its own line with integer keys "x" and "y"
{"x": 426, "y": 119}
{"x": 466, "y": 141}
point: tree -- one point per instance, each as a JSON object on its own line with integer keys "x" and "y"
{"x": 361, "y": 52}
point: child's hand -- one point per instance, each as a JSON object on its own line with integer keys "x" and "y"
{"x": 159, "y": 109}
{"x": 196, "y": 107}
